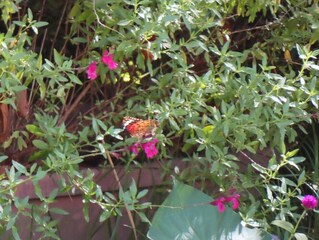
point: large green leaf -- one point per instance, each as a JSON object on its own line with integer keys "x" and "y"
{"x": 187, "y": 214}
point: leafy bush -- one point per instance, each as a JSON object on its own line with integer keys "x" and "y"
{"x": 224, "y": 80}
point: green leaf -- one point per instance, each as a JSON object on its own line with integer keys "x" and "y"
{"x": 58, "y": 211}
{"x": 19, "y": 23}
{"x": 124, "y": 22}
{"x": 20, "y": 167}
{"x": 76, "y": 160}
{"x": 173, "y": 123}
{"x": 105, "y": 215}
{"x": 95, "y": 126}
{"x": 259, "y": 168}
{"x": 39, "y": 155}
{"x": 15, "y": 233}
{"x": 21, "y": 143}
{"x": 86, "y": 211}
{"x": 38, "y": 190}
{"x": 302, "y": 178}
{"x": 187, "y": 214}
{"x": 143, "y": 217}
{"x": 2, "y": 158}
{"x": 30, "y": 15}
{"x": 208, "y": 129}
{"x": 133, "y": 189}
{"x": 142, "y": 194}
{"x": 292, "y": 153}
{"x": 74, "y": 79}
{"x": 296, "y": 160}
{"x": 53, "y": 194}
{"x": 79, "y": 40}
{"x": 11, "y": 222}
{"x": 284, "y": 225}
{"x": 32, "y": 168}
{"x": 34, "y": 130}
{"x": 300, "y": 236}
{"x": 40, "y": 24}
{"x": 114, "y": 132}
{"x": 57, "y": 57}
{"x": 40, "y": 174}
{"x": 75, "y": 11}
{"x": 40, "y": 144}
{"x": 35, "y": 30}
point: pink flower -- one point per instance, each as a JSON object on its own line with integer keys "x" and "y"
{"x": 234, "y": 200}
{"x": 309, "y": 202}
{"x": 108, "y": 60}
{"x": 91, "y": 71}
{"x": 220, "y": 202}
{"x": 116, "y": 155}
{"x": 150, "y": 148}
{"x": 134, "y": 148}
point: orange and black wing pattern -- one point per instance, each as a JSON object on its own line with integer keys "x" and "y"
{"x": 140, "y": 128}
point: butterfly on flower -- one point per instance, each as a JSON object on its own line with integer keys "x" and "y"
{"x": 140, "y": 128}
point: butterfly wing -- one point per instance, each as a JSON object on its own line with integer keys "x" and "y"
{"x": 140, "y": 128}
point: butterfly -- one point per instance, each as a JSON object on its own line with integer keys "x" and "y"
{"x": 140, "y": 128}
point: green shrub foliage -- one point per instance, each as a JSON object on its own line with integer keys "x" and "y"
{"x": 224, "y": 79}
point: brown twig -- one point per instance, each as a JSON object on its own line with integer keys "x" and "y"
{"x": 35, "y": 38}
{"x": 129, "y": 214}
{"x": 99, "y": 21}
{"x": 75, "y": 103}
{"x": 58, "y": 28}
{"x": 4, "y": 115}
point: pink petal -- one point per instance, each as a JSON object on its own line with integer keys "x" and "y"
{"x": 234, "y": 200}
{"x": 235, "y": 203}
{"x": 134, "y": 148}
{"x": 150, "y": 148}
{"x": 220, "y": 204}
{"x": 91, "y": 71}
{"x": 116, "y": 155}
{"x": 108, "y": 60}
{"x": 221, "y": 207}
{"x": 309, "y": 202}
{"x": 112, "y": 65}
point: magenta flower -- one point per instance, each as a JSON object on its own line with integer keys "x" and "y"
{"x": 150, "y": 148}
{"x": 108, "y": 60}
{"x": 134, "y": 148}
{"x": 91, "y": 71}
{"x": 309, "y": 202}
{"x": 220, "y": 202}
{"x": 234, "y": 200}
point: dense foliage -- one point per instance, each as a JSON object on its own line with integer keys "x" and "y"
{"x": 226, "y": 80}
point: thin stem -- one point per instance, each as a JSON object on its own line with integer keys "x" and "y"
{"x": 99, "y": 21}
{"x": 129, "y": 214}
{"x": 75, "y": 104}
{"x": 297, "y": 224}
{"x": 58, "y": 28}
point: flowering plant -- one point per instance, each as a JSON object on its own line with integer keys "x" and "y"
{"x": 148, "y": 147}
{"x": 220, "y": 202}
{"x": 309, "y": 202}
{"x": 213, "y": 84}
{"x": 107, "y": 59}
